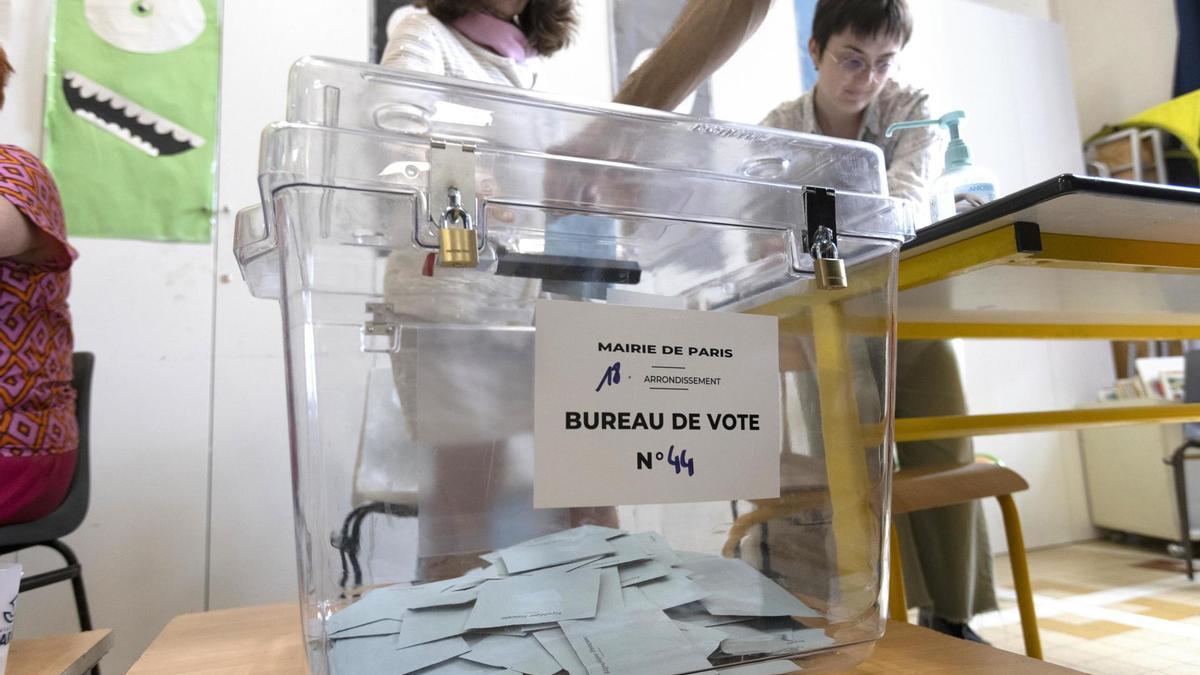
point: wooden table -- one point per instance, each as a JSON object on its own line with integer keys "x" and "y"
{"x": 266, "y": 639}
{"x": 72, "y": 654}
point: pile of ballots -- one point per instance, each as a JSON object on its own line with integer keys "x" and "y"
{"x": 586, "y": 601}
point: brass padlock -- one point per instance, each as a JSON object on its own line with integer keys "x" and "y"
{"x": 831, "y": 273}
{"x": 456, "y": 235}
{"x": 829, "y": 268}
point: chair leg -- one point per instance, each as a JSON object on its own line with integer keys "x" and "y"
{"x": 1181, "y": 501}
{"x": 73, "y": 571}
{"x": 81, "y": 603}
{"x": 897, "y": 601}
{"x": 1020, "y": 572}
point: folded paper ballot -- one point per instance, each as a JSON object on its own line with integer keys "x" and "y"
{"x": 385, "y": 603}
{"x": 379, "y": 655}
{"x": 673, "y": 590}
{"x": 704, "y": 640}
{"x": 555, "y": 641}
{"x": 536, "y": 598}
{"x": 778, "y": 667}
{"x": 427, "y": 625}
{"x": 694, "y": 612}
{"x": 586, "y": 601}
{"x": 634, "y": 598}
{"x": 737, "y": 589}
{"x": 634, "y": 642}
{"x": 610, "y": 599}
{"x": 429, "y": 654}
{"x": 446, "y": 599}
{"x": 768, "y": 636}
{"x": 619, "y": 559}
{"x": 557, "y": 549}
{"x": 515, "y": 653}
{"x": 641, "y": 572}
{"x": 463, "y": 667}
{"x": 373, "y": 629}
{"x": 650, "y": 544}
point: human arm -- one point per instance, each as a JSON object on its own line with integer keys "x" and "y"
{"x": 704, "y": 36}
{"x": 20, "y": 239}
{"x": 32, "y": 230}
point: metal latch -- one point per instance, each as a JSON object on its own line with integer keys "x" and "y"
{"x": 381, "y": 333}
{"x": 452, "y": 205}
{"x": 821, "y": 240}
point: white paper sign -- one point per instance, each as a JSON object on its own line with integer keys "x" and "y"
{"x": 648, "y": 406}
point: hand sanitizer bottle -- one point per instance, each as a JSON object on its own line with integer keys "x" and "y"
{"x": 962, "y": 185}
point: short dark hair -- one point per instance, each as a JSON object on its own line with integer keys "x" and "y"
{"x": 865, "y": 18}
{"x": 548, "y": 25}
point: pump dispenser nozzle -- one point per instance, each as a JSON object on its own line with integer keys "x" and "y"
{"x": 957, "y": 154}
{"x": 962, "y": 185}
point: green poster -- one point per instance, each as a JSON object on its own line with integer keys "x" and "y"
{"x": 131, "y": 116}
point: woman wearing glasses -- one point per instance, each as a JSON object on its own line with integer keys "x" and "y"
{"x": 946, "y": 560}
{"x": 854, "y": 46}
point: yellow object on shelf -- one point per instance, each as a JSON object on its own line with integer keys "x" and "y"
{"x": 1179, "y": 116}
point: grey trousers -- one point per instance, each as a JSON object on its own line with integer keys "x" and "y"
{"x": 945, "y": 554}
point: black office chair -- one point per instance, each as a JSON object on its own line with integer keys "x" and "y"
{"x": 1191, "y": 440}
{"x": 49, "y": 531}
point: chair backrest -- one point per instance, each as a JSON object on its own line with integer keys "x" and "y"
{"x": 76, "y": 501}
{"x": 70, "y": 513}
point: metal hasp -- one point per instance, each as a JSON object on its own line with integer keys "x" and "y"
{"x": 452, "y": 202}
{"x": 821, "y": 242}
{"x": 381, "y": 333}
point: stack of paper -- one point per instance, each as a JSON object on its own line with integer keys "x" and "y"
{"x": 587, "y": 601}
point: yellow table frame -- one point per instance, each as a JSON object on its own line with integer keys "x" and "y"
{"x": 1015, "y": 244}
{"x": 1021, "y": 243}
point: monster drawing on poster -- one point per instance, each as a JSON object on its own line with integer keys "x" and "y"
{"x": 131, "y": 116}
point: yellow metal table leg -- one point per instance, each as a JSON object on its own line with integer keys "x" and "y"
{"x": 897, "y": 601}
{"x": 855, "y": 528}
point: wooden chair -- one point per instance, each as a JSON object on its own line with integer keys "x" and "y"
{"x": 931, "y": 487}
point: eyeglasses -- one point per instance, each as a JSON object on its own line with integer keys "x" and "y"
{"x": 854, "y": 65}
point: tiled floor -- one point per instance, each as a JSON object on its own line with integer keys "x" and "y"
{"x": 1104, "y": 608}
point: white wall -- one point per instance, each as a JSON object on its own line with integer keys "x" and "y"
{"x": 764, "y": 72}
{"x": 1122, "y": 56}
{"x": 582, "y": 70}
{"x": 1020, "y": 118}
{"x": 1036, "y": 9}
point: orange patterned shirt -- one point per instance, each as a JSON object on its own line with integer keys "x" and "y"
{"x": 37, "y": 402}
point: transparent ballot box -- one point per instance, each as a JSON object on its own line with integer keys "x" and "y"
{"x": 576, "y": 388}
